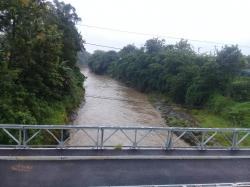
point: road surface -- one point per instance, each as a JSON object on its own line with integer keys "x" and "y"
{"x": 99, "y": 172}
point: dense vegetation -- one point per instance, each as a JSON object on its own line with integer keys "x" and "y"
{"x": 83, "y": 57}
{"x": 214, "y": 82}
{"x": 39, "y": 80}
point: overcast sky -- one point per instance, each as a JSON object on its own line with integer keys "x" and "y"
{"x": 223, "y": 21}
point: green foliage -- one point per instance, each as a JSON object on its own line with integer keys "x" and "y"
{"x": 100, "y": 61}
{"x": 229, "y": 60}
{"x": 187, "y": 78}
{"x": 175, "y": 70}
{"x": 197, "y": 94}
{"x": 39, "y": 80}
{"x": 235, "y": 112}
{"x": 176, "y": 122}
{"x": 208, "y": 119}
{"x": 118, "y": 147}
{"x": 239, "y": 114}
{"x": 219, "y": 104}
{"x": 240, "y": 89}
{"x": 154, "y": 45}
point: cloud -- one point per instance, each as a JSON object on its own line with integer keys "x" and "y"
{"x": 224, "y": 21}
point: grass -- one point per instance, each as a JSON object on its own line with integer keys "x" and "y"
{"x": 243, "y": 110}
{"x": 219, "y": 112}
{"x": 59, "y": 116}
{"x": 118, "y": 147}
{"x": 209, "y": 120}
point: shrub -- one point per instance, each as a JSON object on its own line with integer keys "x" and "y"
{"x": 219, "y": 104}
{"x": 240, "y": 89}
{"x": 196, "y": 95}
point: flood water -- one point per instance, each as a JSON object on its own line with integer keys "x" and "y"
{"x": 111, "y": 103}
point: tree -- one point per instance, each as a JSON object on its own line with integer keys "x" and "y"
{"x": 100, "y": 61}
{"x": 66, "y": 18}
{"x": 229, "y": 60}
{"x": 127, "y": 50}
{"x": 175, "y": 70}
{"x": 38, "y": 51}
{"x": 154, "y": 45}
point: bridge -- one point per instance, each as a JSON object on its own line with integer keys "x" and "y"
{"x": 42, "y": 155}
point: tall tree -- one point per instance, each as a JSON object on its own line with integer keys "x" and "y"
{"x": 38, "y": 51}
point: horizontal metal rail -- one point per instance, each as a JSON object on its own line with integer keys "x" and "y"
{"x": 125, "y": 137}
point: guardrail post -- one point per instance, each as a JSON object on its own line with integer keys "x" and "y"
{"x": 61, "y": 139}
{"x": 202, "y": 145}
{"x": 235, "y": 141}
{"x": 169, "y": 140}
{"x": 102, "y": 138}
{"x": 135, "y": 140}
{"x": 97, "y": 138}
{"x": 20, "y": 138}
{"x": 24, "y": 137}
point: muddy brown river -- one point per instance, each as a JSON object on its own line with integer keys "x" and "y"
{"x": 111, "y": 103}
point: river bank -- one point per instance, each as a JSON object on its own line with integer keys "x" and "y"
{"x": 174, "y": 115}
{"x": 177, "y": 115}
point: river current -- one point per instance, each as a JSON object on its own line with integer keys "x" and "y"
{"x": 111, "y": 103}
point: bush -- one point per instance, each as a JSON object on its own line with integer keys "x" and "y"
{"x": 240, "y": 89}
{"x": 240, "y": 114}
{"x": 196, "y": 94}
{"x": 237, "y": 113}
{"x": 219, "y": 104}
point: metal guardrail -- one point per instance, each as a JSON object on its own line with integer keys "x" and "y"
{"x": 102, "y": 137}
{"x": 246, "y": 184}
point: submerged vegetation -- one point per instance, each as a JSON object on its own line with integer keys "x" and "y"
{"x": 39, "y": 80}
{"x": 213, "y": 84}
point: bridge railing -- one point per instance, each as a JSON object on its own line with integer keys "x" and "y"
{"x": 113, "y": 137}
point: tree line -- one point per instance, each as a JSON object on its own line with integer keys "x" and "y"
{"x": 187, "y": 77}
{"x": 39, "y": 80}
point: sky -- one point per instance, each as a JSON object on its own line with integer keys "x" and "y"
{"x": 220, "y": 21}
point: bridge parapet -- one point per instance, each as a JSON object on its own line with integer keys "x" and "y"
{"x": 126, "y": 137}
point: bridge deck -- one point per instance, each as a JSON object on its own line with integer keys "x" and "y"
{"x": 101, "y": 172}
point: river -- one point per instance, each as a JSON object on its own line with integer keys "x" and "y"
{"x": 111, "y": 103}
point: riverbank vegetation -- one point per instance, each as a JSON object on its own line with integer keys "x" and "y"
{"x": 39, "y": 80}
{"x": 213, "y": 87}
